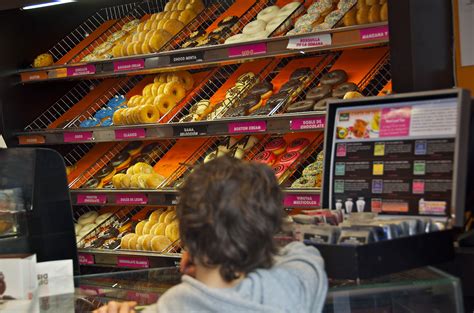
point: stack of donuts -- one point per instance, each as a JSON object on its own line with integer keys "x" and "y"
{"x": 334, "y": 85}
{"x": 156, "y": 233}
{"x": 103, "y": 117}
{"x": 267, "y": 22}
{"x": 280, "y": 155}
{"x": 200, "y": 37}
{"x": 322, "y": 15}
{"x": 253, "y": 101}
{"x": 150, "y": 35}
{"x": 233, "y": 147}
{"x": 312, "y": 174}
{"x": 367, "y": 11}
{"x": 157, "y": 99}
{"x": 87, "y": 222}
{"x": 138, "y": 176}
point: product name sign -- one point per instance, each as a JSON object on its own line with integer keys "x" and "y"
{"x": 302, "y": 201}
{"x": 310, "y": 41}
{"x": 132, "y": 262}
{"x": 91, "y": 199}
{"x": 77, "y": 136}
{"x": 81, "y": 70}
{"x": 190, "y": 131}
{"x": 308, "y": 123}
{"x": 129, "y": 65}
{"x": 372, "y": 33}
{"x": 247, "y": 127}
{"x": 189, "y": 57}
{"x": 396, "y": 158}
{"x": 248, "y": 50}
{"x": 125, "y": 134}
{"x": 131, "y": 199}
{"x": 86, "y": 259}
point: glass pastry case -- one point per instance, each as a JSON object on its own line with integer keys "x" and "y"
{"x": 420, "y": 290}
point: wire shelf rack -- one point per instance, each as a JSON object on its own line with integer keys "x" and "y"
{"x": 77, "y": 153}
{"x": 378, "y": 78}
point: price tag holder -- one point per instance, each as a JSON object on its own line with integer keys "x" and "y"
{"x": 81, "y": 70}
{"x": 133, "y": 262}
{"x": 190, "y": 131}
{"x": 91, "y": 199}
{"x": 77, "y": 136}
{"x": 126, "y": 134}
{"x": 32, "y": 76}
{"x": 171, "y": 199}
{"x": 129, "y": 65}
{"x": 247, "y": 127}
{"x": 86, "y": 259}
{"x": 131, "y": 199}
{"x": 310, "y": 41}
{"x": 188, "y": 57}
{"x": 31, "y": 140}
{"x": 247, "y": 50}
{"x": 302, "y": 201}
{"x": 308, "y": 123}
{"x": 373, "y": 33}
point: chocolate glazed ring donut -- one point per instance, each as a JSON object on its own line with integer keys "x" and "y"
{"x": 319, "y": 93}
{"x": 132, "y": 146}
{"x": 279, "y": 98}
{"x": 150, "y": 147}
{"x": 321, "y": 104}
{"x": 335, "y": 77}
{"x": 300, "y": 106}
{"x": 119, "y": 159}
{"x": 300, "y": 73}
{"x": 91, "y": 183}
{"x": 341, "y": 90}
{"x": 142, "y": 159}
{"x": 105, "y": 171}
{"x": 261, "y": 89}
{"x": 262, "y": 111}
{"x": 236, "y": 112}
{"x": 249, "y": 101}
{"x": 290, "y": 86}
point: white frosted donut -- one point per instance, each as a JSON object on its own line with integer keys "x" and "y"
{"x": 290, "y": 7}
{"x": 254, "y": 27}
{"x": 102, "y": 218}
{"x": 87, "y": 229}
{"x": 87, "y": 218}
{"x": 260, "y": 35}
{"x": 77, "y": 228}
{"x": 276, "y": 22}
{"x": 268, "y": 14}
{"x": 236, "y": 38}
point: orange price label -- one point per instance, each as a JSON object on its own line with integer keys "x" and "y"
{"x": 31, "y": 140}
{"x": 25, "y": 77}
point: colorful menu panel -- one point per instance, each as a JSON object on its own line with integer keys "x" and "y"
{"x": 395, "y": 159}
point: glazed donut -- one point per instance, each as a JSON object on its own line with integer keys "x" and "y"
{"x": 124, "y": 242}
{"x": 276, "y": 146}
{"x": 149, "y": 114}
{"x": 146, "y": 243}
{"x": 186, "y": 16}
{"x": 288, "y": 158}
{"x": 254, "y": 27}
{"x": 340, "y": 90}
{"x": 279, "y": 170}
{"x": 263, "y": 90}
{"x": 228, "y": 21}
{"x": 170, "y": 217}
{"x": 350, "y": 18}
{"x": 139, "y": 228}
{"x": 321, "y": 104}
{"x": 384, "y": 12}
{"x": 164, "y": 103}
{"x": 148, "y": 226}
{"x": 118, "y": 118}
{"x": 362, "y": 15}
{"x": 155, "y": 216}
{"x": 161, "y": 89}
{"x": 172, "y": 231}
{"x": 133, "y": 242}
{"x": 101, "y": 218}
{"x": 353, "y": 95}
{"x": 87, "y": 218}
{"x": 318, "y": 93}
{"x": 333, "y": 78}
{"x": 173, "y": 26}
{"x": 134, "y": 100}
{"x": 146, "y": 92}
{"x": 268, "y": 13}
{"x": 265, "y": 157}
{"x": 186, "y": 79}
{"x": 300, "y": 106}
{"x": 158, "y": 228}
{"x": 121, "y": 161}
{"x": 298, "y": 145}
{"x": 304, "y": 182}
{"x": 160, "y": 243}
{"x": 374, "y": 13}
{"x": 175, "y": 90}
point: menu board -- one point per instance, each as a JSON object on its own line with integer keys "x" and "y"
{"x": 394, "y": 158}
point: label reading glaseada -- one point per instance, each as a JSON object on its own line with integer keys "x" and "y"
{"x": 124, "y": 134}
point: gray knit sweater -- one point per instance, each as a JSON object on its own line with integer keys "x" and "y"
{"x": 296, "y": 283}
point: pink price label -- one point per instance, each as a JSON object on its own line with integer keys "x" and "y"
{"x": 86, "y": 259}
{"x": 248, "y": 50}
{"x": 308, "y": 123}
{"x": 91, "y": 199}
{"x": 81, "y": 70}
{"x": 77, "y": 136}
{"x": 133, "y": 262}
{"x": 129, "y": 65}
{"x": 130, "y": 199}
{"x": 302, "y": 201}
{"x": 247, "y": 127}
{"x": 124, "y": 134}
{"x": 372, "y": 33}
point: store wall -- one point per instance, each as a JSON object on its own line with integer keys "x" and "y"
{"x": 464, "y": 74}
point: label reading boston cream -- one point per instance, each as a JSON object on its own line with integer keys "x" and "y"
{"x": 91, "y": 199}
{"x": 129, "y": 65}
{"x": 248, "y": 50}
{"x": 247, "y": 127}
{"x": 310, "y": 42}
{"x": 308, "y": 123}
{"x": 372, "y": 33}
{"x": 133, "y": 262}
{"x": 130, "y": 199}
{"x": 86, "y": 259}
{"x": 302, "y": 201}
{"x": 124, "y": 134}
{"x": 77, "y": 136}
{"x": 81, "y": 70}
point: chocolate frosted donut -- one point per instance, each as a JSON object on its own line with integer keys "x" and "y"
{"x": 150, "y": 147}
{"x": 91, "y": 183}
{"x": 290, "y": 86}
{"x": 340, "y": 90}
{"x": 300, "y": 73}
{"x": 321, "y": 104}
{"x": 249, "y": 102}
{"x": 105, "y": 171}
{"x": 335, "y": 77}
{"x": 236, "y": 112}
{"x": 119, "y": 159}
{"x": 275, "y": 100}
{"x": 319, "y": 93}
{"x": 132, "y": 146}
{"x": 142, "y": 159}
{"x": 262, "y": 111}
{"x": 229, "y": 20}
{"x": 300, "y": 106}
{"x": 261, "y": 89}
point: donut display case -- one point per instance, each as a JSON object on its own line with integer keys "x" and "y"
{"x": 139, "y": 94}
